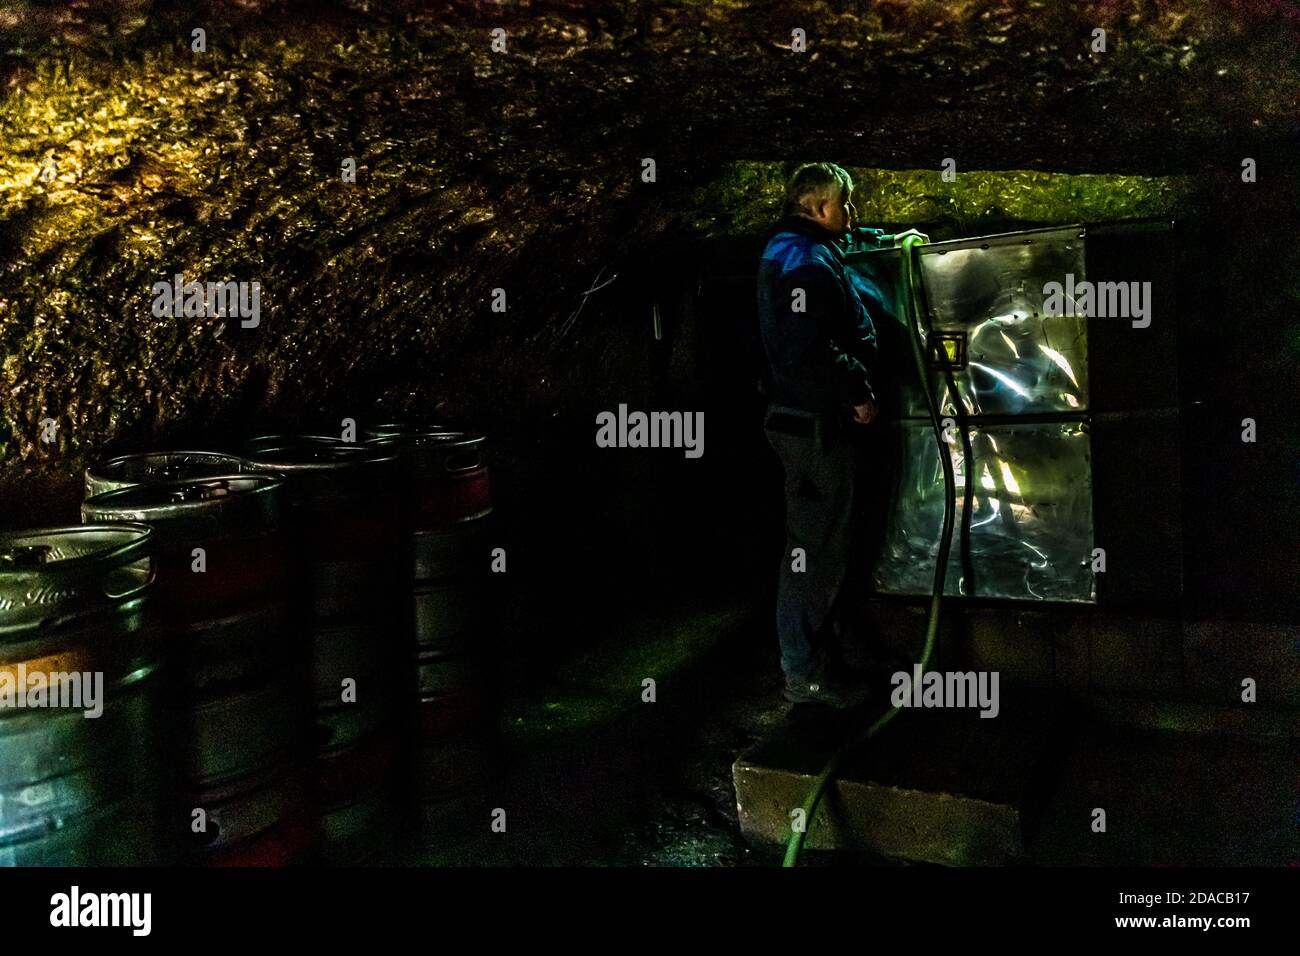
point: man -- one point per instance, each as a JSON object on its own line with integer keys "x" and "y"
{"x": 819, "y": 338}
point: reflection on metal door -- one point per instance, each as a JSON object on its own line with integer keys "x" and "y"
{"x": 1022, "y": 380}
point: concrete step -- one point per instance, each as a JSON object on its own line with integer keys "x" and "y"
{"x": 940, "y": 785}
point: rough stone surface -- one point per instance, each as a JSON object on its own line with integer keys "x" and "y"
{"x": 126, "y": 157}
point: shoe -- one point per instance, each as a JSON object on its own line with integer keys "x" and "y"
{"x": 839, "y": 695}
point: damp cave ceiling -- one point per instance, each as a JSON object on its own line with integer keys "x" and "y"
{"x": 126, "y": 157}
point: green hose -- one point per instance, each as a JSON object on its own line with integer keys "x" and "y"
{"x": 913, "y": 305}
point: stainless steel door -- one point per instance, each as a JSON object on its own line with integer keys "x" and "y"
{"x": 1021, "y": 376}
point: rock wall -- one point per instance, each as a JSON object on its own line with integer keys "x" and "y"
{"x": 126, "y": 156}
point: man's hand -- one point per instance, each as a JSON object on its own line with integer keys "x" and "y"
{"x": 865, "y": 413}
{"x": 900, "y": 236}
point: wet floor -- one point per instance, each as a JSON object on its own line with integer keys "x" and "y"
{"x": 599, "y": 776}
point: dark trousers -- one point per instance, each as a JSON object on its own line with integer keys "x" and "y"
{"x": 812, "y": 618}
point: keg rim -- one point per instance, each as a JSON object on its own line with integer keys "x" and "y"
{"x": 438, "y": 456}
{"x": 452, "y": 527}
{"x": 436, "y": 439}
{"x": 141, "y": 536}
{"x": 242, "y": 511}
{"x": 272, "y": 457}
{"x": 103, "y": 472}
{"x": 397, "y": 429}
{"x": 71, "y": 576}
{"x": 274, "y": 440}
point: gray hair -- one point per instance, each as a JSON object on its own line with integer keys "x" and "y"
{"x": 812, "y": 183}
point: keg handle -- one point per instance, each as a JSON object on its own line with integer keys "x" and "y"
{"x": 109, "y": 590}
{"x": 133, "y": 585}
{"x": 475, "y": 459}
{"x": 48, "y": 584}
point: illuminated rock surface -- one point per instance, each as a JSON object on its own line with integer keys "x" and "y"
{"x": 125, "y": 157}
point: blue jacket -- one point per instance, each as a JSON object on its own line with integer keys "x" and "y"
{"x": 818, "y": 359}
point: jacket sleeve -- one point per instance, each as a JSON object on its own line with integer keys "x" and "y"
{"x": 830, "y": 341}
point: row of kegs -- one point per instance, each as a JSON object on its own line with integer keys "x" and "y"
{"x": 290, "y": 646}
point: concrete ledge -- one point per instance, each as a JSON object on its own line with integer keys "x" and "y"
{"x": 937, "y": 786}
{"x": 909, "y": 824}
